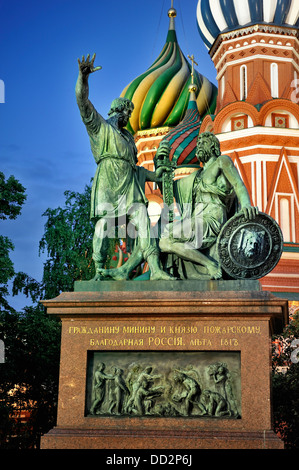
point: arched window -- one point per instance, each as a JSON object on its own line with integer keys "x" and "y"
{"x": 284, "y": 217}
{"x": 243, "y": 82}
{"x": 274, "y": 80}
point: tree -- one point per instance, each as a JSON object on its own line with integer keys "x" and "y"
{"x": 285, "y": 366}
{"x": 68, "y": 242}
{"x": 12, "y": 197}
{"x": 7, "y": 270}
{"x": 29, "y": 376}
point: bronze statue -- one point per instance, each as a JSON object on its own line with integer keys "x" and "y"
{"x": 188, "y": 247}
{"x": 118, "y": 195}
{"x": 205, "y": 199}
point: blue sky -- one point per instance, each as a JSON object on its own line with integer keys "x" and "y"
{"x": 43, "y": 141}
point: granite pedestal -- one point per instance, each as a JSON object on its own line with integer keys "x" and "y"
{"x": 179, "y": 325}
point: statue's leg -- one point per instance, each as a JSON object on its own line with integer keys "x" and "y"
{"x": 100, "y": 245}
{"x": 123, "y": 271}
{"x": 157, "y": 273}
{"x": 148, "y": 246}
{"x": 182, "y": 250}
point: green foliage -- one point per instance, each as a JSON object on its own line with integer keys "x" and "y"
{"x": 7, "y": 270}
{"x": 286, "y": 385}
{"x": 12, "y": 197}
{"x": 68, "y": 243}
{"x": 29, "y": 376}
{"x": 28, "y": 286}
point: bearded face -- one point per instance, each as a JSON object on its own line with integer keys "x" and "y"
{"x": 122, "y": 108}
{"x": 204, "y": 149}
{"x": 207, "y": 147}
{"x": 123, "y": 117}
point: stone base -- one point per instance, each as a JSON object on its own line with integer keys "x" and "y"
{"x": 248, "y": 285}
{"x": 170, "y": 326}
{"x": 59, "y": 438}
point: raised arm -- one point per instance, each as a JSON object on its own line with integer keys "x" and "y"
{"x": 86, "y": 67}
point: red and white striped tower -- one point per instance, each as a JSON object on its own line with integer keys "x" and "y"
{"x": 255, "y": 48}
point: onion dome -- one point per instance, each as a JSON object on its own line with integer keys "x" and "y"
{"x": 220, "y": 16}
{"x": 160, "y": 95}
{"x": 183, "y": 137}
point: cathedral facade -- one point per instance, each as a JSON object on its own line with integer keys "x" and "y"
{"x": 254, "y": 46}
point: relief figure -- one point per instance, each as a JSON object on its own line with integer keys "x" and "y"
{"x": 100, "y": 378}
{"x": 189, "y": 390}
{"x": 222, "y": 380}
{"x": 119, "y": 390}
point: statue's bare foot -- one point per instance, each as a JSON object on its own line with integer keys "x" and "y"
{"x": 98, "y": 276}
{"x": 161, "y": 276}
{"x": 115, "y": 274}
{"x": 215, "y": 271}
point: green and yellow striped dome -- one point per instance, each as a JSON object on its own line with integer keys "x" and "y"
{"x": 161, "y": 94}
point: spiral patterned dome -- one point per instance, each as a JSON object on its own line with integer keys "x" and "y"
{"x": 183, "y": 138}
{"x": 161, "y": 94}
{"x": 220, "y": 16}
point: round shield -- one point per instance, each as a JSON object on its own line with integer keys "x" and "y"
{"x": 249, "y": 249}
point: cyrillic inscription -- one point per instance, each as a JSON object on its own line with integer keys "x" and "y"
{"x": 164, "y": 336}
